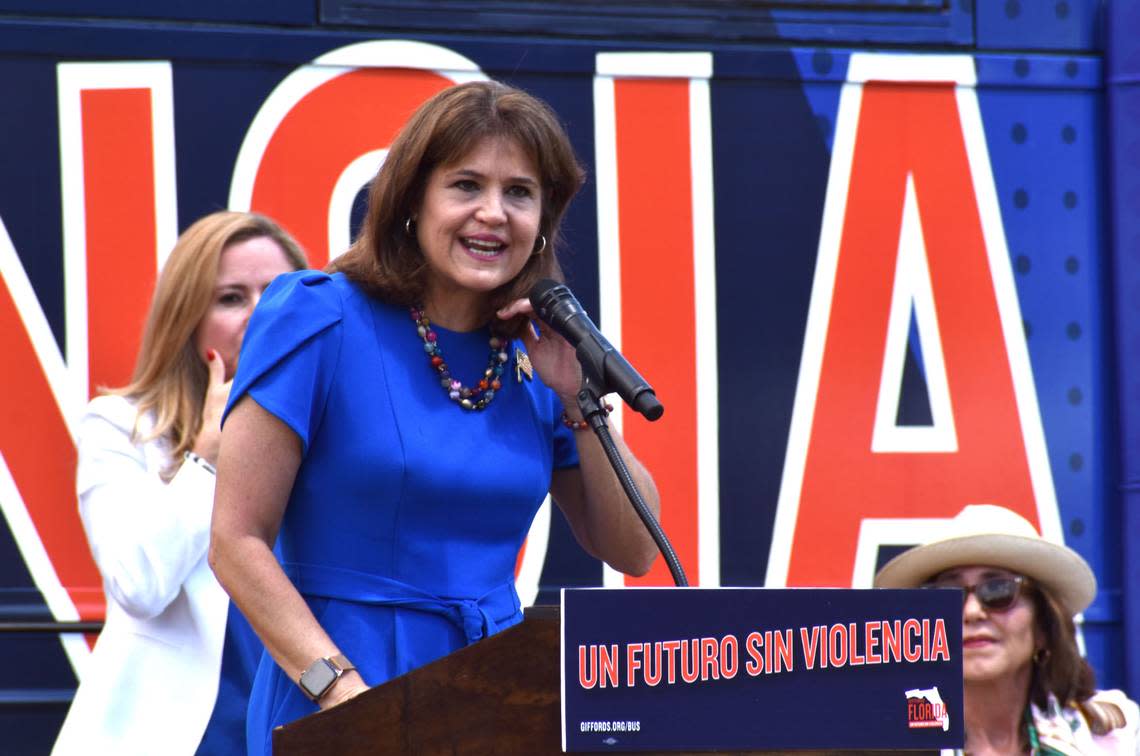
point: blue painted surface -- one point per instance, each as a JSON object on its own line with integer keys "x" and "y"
{"x": 1044, "y": 148}
{"x": 243, "y": 11}
{"x": 1123, "y": 168}
{"x": 845, "y": 22}
{"x": 1071, "y": 25}
{"x": 949, "y": 23}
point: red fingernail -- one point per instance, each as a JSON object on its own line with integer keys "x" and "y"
{"x": 211, "y": 354}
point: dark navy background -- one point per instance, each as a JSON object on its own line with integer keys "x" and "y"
{"x": 833, "y": 708}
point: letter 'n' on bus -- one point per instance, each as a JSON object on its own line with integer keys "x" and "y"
{"x": 911, "y": 233}
{"x": 117, "y": 175}
{"x": 116, "y": 135}
{"x": 656, "y": 269}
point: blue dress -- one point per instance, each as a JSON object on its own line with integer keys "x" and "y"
{"x": 241, "y": 654}
{"x": 407, "y": 512}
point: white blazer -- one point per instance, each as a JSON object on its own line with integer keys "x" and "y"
{"x": 150, "y": 684}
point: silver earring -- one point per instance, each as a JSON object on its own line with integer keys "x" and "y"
{"x": 542, "y": 246}
{"x": 408, "y": 225}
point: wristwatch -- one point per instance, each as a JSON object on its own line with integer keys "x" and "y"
{"x": 321, "y": 674}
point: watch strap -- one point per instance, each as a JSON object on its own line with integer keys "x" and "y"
{"x": 341, "y": 662}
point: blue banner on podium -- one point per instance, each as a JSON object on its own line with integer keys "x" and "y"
{"x": 755, "y": 668}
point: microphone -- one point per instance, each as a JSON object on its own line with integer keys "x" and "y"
{"x": 555, "y": 305}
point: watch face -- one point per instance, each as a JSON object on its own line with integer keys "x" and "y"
{"x": 318, "y": 677}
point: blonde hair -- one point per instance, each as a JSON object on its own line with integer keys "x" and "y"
{"x": 170, "y": 378}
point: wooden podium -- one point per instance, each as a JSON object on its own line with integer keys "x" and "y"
{"x": 498, "y": 696}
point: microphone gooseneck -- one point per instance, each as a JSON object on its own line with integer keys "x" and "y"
{"x": 604, "y": 370}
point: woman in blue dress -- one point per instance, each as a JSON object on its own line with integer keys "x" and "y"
{"x": 173, "y": 648}
{"x": 395, "y": 424}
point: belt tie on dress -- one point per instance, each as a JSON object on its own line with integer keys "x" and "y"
{"x": 475, "y": 617}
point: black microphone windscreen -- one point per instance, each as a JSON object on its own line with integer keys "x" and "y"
{"x": 540, "y": 288}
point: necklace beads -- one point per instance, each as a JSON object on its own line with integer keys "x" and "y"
{"x": 468, "y": 397}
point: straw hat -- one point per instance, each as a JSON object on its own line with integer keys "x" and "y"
{"x": 992, "y": 536}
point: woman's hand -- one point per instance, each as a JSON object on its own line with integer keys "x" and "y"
{"x": 551, "y": 355}
{"x": 350, "y": 685}
{"x": 590, "y": 494}
{"x": 217, "y": 392}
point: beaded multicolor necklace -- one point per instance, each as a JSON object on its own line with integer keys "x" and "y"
{"x": 470, "y": 398}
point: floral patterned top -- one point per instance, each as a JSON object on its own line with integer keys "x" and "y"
{"x": 1066, "y": 731}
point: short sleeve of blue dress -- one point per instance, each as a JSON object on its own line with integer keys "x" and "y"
{"x": 288, "y": 348}
{"x": 407, "y": 511}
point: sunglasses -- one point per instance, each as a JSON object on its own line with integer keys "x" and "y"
{"x": 995, "y": 594}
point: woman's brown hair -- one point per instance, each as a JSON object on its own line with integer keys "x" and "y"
{"x": 170, "y": 378}
{"x": 1060, "y": 670}
{"x": 386, "y": 260}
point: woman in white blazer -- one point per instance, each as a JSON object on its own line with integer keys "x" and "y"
{"x": 158, "y": 680}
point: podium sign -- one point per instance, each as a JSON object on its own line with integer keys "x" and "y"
{"x": 754, "y": 668}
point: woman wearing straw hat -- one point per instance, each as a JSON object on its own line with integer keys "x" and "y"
{"x": 1027, "y": 688}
